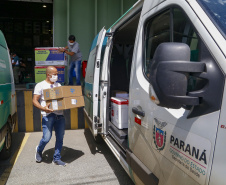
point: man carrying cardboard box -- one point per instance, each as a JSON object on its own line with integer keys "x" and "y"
{"x": 50, "y": 118}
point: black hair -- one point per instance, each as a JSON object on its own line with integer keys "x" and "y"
{"x": 71, "y": 37}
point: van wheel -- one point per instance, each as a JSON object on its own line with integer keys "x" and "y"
{"x": 6, "y": 151}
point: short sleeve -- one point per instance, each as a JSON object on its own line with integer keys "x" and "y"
{"x": 58, "y": 85}
{"x": 75, "y": 48}
{"x": 38, "y": 89}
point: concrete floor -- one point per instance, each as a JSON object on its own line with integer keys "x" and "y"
{"x": 88, "y": 162}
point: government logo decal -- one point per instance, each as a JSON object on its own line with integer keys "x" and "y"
{"x": 159, "y": 135}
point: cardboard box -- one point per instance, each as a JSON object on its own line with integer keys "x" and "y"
{"x": 119, "y": 112}
{"x": 66, "y": 103}
{"x": 62, "y": 92}
{"x": 119, "y": 94}
{"x": 49, "y": 56}
{"x": 40, "y": 73}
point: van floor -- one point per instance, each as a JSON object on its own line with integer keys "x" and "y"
{"x": 120, "y": 136}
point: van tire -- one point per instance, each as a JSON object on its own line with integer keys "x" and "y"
{"x": 6, "y": 151}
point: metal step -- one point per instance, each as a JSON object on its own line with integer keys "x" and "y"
{"x": 116, "y": 146}
{"x": 121, "y": 133}
{"x": 123, "y": 143}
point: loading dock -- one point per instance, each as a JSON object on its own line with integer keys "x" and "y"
{"x": 88, "y": 162}
{"x": 29, "y": 117}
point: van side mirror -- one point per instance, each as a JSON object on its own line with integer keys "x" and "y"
{"x": 169, "y": 74}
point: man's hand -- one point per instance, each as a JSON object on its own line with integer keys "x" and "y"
{"x": 37, "y": 104}
{"x": 46, "y": 108}
{"x": 61, "y": 49}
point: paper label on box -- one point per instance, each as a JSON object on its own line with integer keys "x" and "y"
{"x": 54, "y": 105}
{"x": 73, "y": 101}
{"x": 52, "y": 94}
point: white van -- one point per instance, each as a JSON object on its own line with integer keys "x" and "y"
{"x": 7, "y": 100}
{"x": 169, "y": 57}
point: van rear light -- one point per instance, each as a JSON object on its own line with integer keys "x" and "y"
{"x": 1, "y": 102}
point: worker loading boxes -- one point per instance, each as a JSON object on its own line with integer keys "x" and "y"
{"x": 64, "y": 97}
{"x": 58, "y": 98}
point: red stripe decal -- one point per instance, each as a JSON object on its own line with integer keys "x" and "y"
{"x": 137, "y": 120}
{"x": 120, "y": 103}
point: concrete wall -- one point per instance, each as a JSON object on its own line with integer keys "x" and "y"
{"x": 84, "y": 19}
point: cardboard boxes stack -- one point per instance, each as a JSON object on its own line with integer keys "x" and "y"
{"x": 45, "y": 57}
{"x": 64, "y": 97}
{"x": 119, "y": 109}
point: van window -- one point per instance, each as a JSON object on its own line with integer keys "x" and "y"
{"x": 5, "y": 75}
{"x": 157, "y": 31}
{"x": 170, "y": 26}
{"x": 216, "y": 11}
{"x": 183, "y": 31}
{"x": 2, "y": 40}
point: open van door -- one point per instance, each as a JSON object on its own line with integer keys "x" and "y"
{"x": 92, "y": 82}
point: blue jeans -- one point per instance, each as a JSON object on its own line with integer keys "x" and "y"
{"x": 74, "y": 64}
{"x": 48, "y": 122}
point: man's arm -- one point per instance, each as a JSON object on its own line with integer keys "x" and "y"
{"x": 37, "y": 104}
{"x": 66, "y": 51}
{"x": 69, "y": 53}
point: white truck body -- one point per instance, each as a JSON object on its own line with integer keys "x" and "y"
{"x": 169, "y": 56}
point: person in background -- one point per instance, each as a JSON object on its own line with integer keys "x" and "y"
{"x": 76, "y": 58}
{"x": 22, "y": 71}
{"x": 50, "y": 119}
{"x": 16, "y": 67}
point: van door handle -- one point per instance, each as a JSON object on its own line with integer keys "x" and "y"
{"x": 138, "y": 112}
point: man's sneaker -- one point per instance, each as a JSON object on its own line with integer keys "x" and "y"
{"x": 38, "y": 155}
{"x": 59, "y": 163}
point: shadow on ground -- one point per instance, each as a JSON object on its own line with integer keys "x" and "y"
{"x": 6, "y": 165}
{"x": 68, "y": 155}
{"x": 99, "y": 146}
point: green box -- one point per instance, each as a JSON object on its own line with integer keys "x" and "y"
{"x": 40, "y": 73}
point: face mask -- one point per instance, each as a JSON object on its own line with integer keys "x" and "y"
{"x": 54, "y": 78}
{"x": 71, "y": 43}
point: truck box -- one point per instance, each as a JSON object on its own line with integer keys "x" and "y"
{"x": 119, "y": 112}
{"x": 49, "y": 56}
{"x": 66, "y": 103}
{"x": 62, "y": 92}
{"x": 120, "y": 94}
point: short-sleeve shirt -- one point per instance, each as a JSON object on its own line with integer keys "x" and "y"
{"x": 16, "y": 60}
{"x": 75, "y": 48}
{"x": 39, "y": 91}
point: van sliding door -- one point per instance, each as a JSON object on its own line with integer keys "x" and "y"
{"x": 92, "y": 81}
